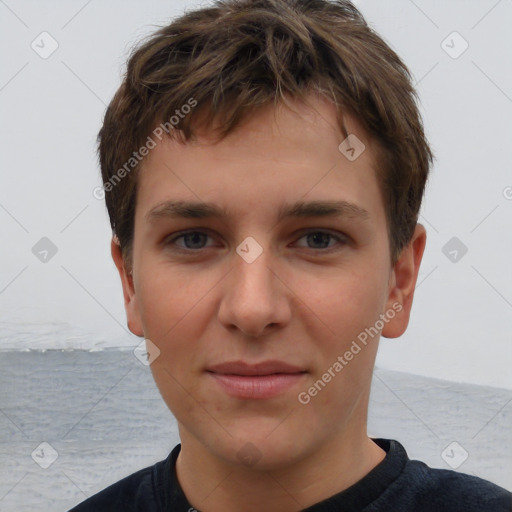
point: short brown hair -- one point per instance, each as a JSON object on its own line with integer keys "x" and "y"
{"x": 238, "y": 55}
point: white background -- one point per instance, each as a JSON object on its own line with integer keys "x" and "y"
{"x": 51, "y": 110}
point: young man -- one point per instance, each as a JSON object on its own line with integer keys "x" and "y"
{"x": 264, "y": 163}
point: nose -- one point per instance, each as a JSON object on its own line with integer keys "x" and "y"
{"x": 255, "y": 299}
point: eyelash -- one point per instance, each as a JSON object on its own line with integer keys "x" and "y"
{"x": 340, "y": 238}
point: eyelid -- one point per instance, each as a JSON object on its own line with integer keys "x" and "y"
{"x": 170, "y": 239}
{"x": 340, "y": 237}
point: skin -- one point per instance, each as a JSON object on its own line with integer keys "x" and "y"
{"x": 303, "y": 301}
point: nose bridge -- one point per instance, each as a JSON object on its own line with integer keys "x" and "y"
{"x": 253, "y": 298}
{"x": 253, "y": 275}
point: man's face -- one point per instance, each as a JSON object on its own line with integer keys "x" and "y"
{"x": 318, "y": 283}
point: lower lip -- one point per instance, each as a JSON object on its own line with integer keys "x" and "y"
{"x": 257, "y": 386}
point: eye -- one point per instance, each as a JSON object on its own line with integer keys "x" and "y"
{"x": 320, "y": 239}
{"x": 193, "y": 240}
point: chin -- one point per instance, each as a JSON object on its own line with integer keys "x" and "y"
{"x": 261, "y": 449}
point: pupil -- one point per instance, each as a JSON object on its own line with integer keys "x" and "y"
{"x": 321, "y": 238}
{"x": 193, "y": 236}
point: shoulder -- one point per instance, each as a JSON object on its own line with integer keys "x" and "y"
{"x": 138, "y": 491}
{"x": 426, "y": 488}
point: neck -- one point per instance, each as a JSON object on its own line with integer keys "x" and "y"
{"x": 213, "y": 484}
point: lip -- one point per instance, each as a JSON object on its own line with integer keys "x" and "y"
{"x": 259, "y": 369}
{"x": 257, "y": 381}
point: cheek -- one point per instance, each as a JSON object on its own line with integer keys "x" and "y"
{"x": 344, "y": 307}
{"x": 341, "y": 306}
{"x": 168, "y": 299}
{"x": 174, "y": 317}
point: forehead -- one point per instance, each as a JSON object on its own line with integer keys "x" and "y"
{"x": 275, "y": 156}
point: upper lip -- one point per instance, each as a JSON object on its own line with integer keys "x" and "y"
{"x": 263, "y": 368}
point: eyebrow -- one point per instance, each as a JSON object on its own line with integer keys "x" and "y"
{"x": 201, "y": 210}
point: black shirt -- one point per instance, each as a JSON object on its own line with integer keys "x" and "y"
{"x": 396, "y": 484}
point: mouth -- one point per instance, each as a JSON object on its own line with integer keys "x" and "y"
{"x": 257, "y": 381}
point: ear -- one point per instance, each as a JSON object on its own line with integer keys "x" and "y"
{"x": 130, "y": 298}
{"x": 402, "y": 283}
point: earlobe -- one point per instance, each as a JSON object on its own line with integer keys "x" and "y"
{"x": 403, "y": 283}
{"x": 130, "y": 297}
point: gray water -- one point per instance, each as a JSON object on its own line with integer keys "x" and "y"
{"x": 102, "y": 418}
